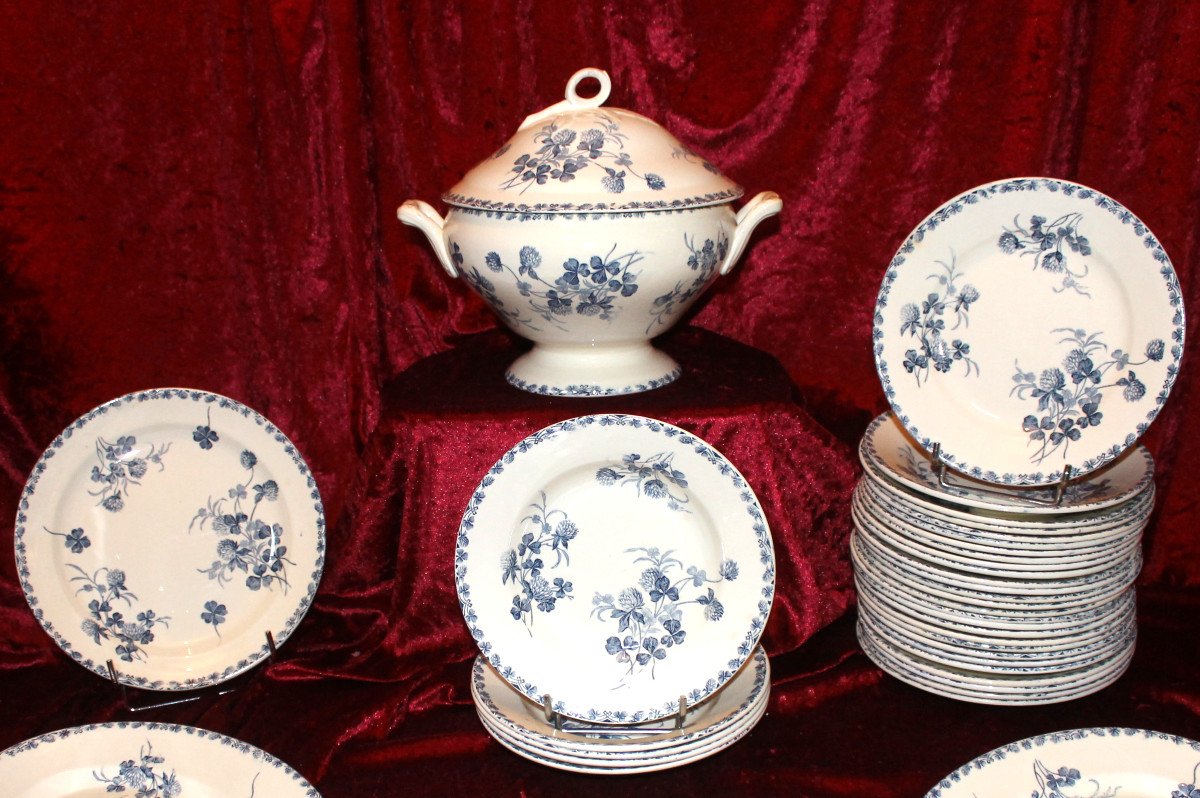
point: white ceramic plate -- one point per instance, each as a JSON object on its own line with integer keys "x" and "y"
{"x": 886, "y": 448}
{"x": 980, "y": 602}
{"x": 651, "y": 764}
{"x": 1034, "y": 666}
{"x": 945, "y": 584}
{"x": 155, "y": 760}
{"x": 1131, "y": 763}
{"x": 615, "y": 563}
{"x": 1027, "y": 325}
{"x": 1033, "y": 694}
{"x": 1074, "y": 562}
{"x": 1034, "y": 541}
{"x": 506, "y": 713}
{"x": 1090, "y": 521}
{"x": 168, "y": 531}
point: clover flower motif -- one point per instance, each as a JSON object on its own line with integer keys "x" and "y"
{"x": 655, "y": 182}
{"x": 214, "y": 613}
{"x": 206, "y": 436}
{"x": 607, "y": 476}
{"x": 92, "y": 630}
{"x": 595, "y": 305}
{"x": 248, "y": 459}
{"x": 530, "y": 259}
{"x": 268, "y": 490}
{"x": 492, "y": 261}
{"x": 113, "y": 503}
{"x": 966, "y": 297}
{"x": 1050, "y": 388}
{"x": 614, "y": 182}
{"x": 655, "y": 489}
{"x": 564, "y": 533}
{"x": 591, "y": 142}
{"x": 1135, "y": 389}
{"x": 76, "y": 540}
{"x": 508, "y": 566}
{"x": 1063, "y": 777}
{"x": 729, "y": 570}
{"x": 1009, "y": 243}
{"x": 1155, "y": 350}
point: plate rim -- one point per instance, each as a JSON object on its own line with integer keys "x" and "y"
{"x": 947, "y": 787}
{"x": 741, "y": 650}
{"x": 243, "y": 664}
{"x": 13, "y": 752}
{"x": 952, "y": 207}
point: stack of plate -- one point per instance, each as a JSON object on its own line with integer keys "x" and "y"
{"x": 975, "y": 592}
{"x": 718, "y": 723}
{"x": 617, "y": 574}
{"x": 1026, "y": 334}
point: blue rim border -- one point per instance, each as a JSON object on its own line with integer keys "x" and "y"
{"x": 1020, "y": 747}
{"x": 157, "y": 394}
{"x": 593, "y": 390}
{"x": 986, "y": 192}
{"x": 765, "y": 546}
{"x": 172, "y": 728}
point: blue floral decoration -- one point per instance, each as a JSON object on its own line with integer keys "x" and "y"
{"x": 563, "y": 153}
{"x": 704, "y": 261}
{"x": 545, "y": 531}
{"x": 120, "y": 467}
{"x": 106, "y": 622}
{"x": 926, "y": 321}
{"x": 214, "y": 614}
{"x": 248, "y": 545}
{"x": 75, "y": 540}
{"x": 654, "y": 478}
{"x": 1048, "y": 243}
{"x": 1069, "y": 395}
{"x": 591, "y": 285}
{"x": 649, "y": 614}
{"x": 143, "y": 775}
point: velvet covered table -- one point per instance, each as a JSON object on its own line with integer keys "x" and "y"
{"x": 370, "y": 697}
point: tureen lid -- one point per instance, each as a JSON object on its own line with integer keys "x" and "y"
{"x": 577, "y": 155}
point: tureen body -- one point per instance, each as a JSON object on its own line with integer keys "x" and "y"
{"x": 591, "y": 232}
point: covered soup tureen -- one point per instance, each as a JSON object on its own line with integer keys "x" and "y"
{"x": 590, "y": 232}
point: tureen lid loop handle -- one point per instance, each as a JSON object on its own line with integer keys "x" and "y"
{"x": 574, "y": 102}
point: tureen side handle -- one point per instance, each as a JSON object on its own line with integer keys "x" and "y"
{"x": 763, "y": 206}
{"x": 422, "y": 216}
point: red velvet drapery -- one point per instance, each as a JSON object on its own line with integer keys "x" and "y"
{"x": 204, "y": 195}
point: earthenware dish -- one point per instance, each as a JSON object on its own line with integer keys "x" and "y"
{"x": 589, "y": 233}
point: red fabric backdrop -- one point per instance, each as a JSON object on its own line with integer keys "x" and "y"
{"x": 204, "y": 195}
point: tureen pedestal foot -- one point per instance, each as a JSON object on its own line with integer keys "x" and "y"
{"x": 592, "y": 370}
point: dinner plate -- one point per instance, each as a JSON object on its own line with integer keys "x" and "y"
{"x": 650, "y": 764}
{"x": 946, "y": 548}
{"x": 886, "y": 448}
{"x": 504, "y": 712}
{"x": 981, "y": 602}
{"x": 1032, "y": 694}
{"x": 615, "y": 563}
{"x": 1088, "y": 521}
{"x": 1094, "y": 627}
{"x": 1131, "y": 763}
{"x": 1041, "y": 665}
{"x": 1028, "y": 325}
{"x": 167, "y": 532}
{"x": 949, "y": 585}
{"x": 153, "y": 760}
{"x": 1030, "y": 540}
{"x": 1009, "y": 583}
